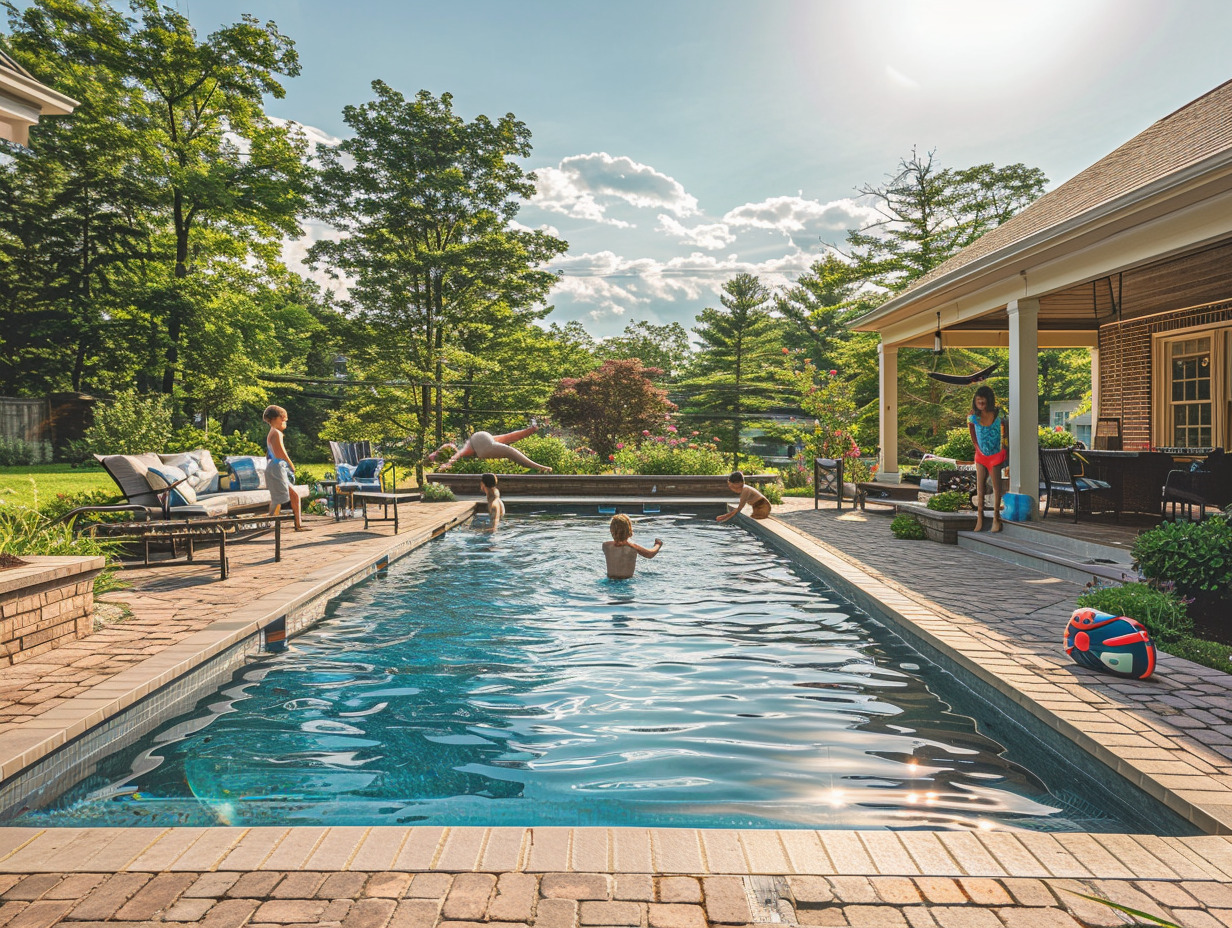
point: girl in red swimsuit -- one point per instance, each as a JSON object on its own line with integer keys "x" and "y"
{"x": 990, "y": 436}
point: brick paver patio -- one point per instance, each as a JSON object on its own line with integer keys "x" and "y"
{"x": 1005, "y": 616}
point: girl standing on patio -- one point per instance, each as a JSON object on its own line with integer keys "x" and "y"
{"x": 990, "y": 436}
{"x": 486, "y": 447}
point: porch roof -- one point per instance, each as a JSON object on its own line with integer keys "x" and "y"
{"x": 23, "y": 100}
{"x": 1164, "y": 192}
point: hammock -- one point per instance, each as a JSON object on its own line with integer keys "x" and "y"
{"x": 964, "y": 380}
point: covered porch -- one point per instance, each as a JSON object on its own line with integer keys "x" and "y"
{"x": 1131, "y": 259}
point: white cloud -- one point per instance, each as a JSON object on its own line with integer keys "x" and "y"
{"x": 792, "y": 215}
{"x": 542, "y": 227}
{"x": 584, "y": 186}
{"x": 705, "y": 235}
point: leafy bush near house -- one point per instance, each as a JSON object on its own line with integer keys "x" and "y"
{"x": 1194, "y": 556}
{"x": 949, "y": 501}
{"x": 1163, "y": 613}
{"x": 1201, "y": 651}
{"x": 957, "y": 445}
{"x": 907, "y": 527}
{"x": 134, "y": 423}
{"x": 774, "y": 493}
{"x": 437, "y": 493}
{"x": 218, "y": 444}
{"x": 933, "y": 467}
{"x": 17, "y": 452}
{"x": 25, "y": 532}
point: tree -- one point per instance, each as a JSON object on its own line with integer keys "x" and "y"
{"x": 616, "y": 402}
{"x": 663, "y": 346}
{"x": 732, "y": 374}
{"x": 425, "y": 201}
{"x": 217, "y": 178}
{"x": 928, "y": 214}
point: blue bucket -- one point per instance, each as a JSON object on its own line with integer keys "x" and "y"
{"x": 1016, "y": 507}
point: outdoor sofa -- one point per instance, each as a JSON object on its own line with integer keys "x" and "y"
{"x": 189, "y": 484}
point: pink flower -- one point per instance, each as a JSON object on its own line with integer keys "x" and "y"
{"x": 671, "y": 428}
{"x": 715, "y": 438}
{"x": 693, "y": 433}
{"x": 620, "y": 446}
{"x": 611, "y": 457}
{"x": 833, "y": 373}
{"x": 646, "y": 432}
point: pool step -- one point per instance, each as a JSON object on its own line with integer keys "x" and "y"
{"x": 1040, "y": 551}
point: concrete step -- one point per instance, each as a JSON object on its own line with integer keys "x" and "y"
{"x": 1055, "y": 561}
{"x": 1027, "y": 533}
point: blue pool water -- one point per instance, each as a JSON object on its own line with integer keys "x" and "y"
{"x": 503, "y": 679}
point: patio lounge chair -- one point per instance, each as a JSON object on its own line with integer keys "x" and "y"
{"x": 1207, "y": 483}
{"x": 1062, "y": 479}
{"x": 357, "y": 468}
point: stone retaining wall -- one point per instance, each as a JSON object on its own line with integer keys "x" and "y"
{"x": 45, "y": 603}
{"x": 601, "y": 486}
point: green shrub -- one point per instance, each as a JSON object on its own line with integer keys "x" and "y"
{"x": 806, "y": 492}
{"x": 932, "y": 468}
{"x": 907, "y": 527}
{"x": 957, "y": 445}
{"x": 949, "y": 501}
{"x": 542, "y": 449}
{"x": 1055, "y": 438}
{"x": 1201, "y": 651}
{"x": 24, "y": 532}
{"x": 774, "y": 493}
{"x": 134, "y": 423}
{"x": 683, "y": 458}
{"x": 17, "y": 452}
{"x": 56, "y": 506}
{"x": 437, "y": 493}
{"x": 218, "y": 444}
{"x": 1163, "y": 613}
{"x": 1196, "y": 557}
{"x": 77, "y": 452}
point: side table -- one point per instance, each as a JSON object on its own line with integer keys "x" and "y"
{"x": 385, "y": 500}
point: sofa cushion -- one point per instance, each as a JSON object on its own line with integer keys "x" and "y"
{"x": 249, "y": 469}
{"x": 128, "y": 471}
{"x": 247, "y": 499}
{"x": 162, "y": 476}
{"x": 199, "y": 465}
{"x": 205, "y": 508}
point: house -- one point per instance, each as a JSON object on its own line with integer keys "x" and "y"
{"x": 1131, "y": 258}
{"x": 23, "y": 100}
{"x": 1061, "y": 415}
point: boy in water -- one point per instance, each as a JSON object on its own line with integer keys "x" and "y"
{"x": 496, "y": 506}
{"x": 621, "y": 553}
{"x": 749, "y": 496}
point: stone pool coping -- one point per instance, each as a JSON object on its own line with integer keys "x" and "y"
{"x": 299, "y": 602}
{"x": 1115, "y": 735}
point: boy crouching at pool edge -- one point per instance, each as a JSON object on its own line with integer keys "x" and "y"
{"x": 749, "y": 496}
{"x": 621, "y": 553}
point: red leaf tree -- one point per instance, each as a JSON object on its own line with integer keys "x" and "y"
{"x": 611, "y": 403}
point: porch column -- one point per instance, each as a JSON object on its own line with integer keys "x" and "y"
{"x": 1024, "y": 399}
{"x": 887, "y": 367}
{"x": 1094, "y": 391}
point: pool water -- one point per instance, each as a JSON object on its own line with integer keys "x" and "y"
{"x": 502, "y": 679}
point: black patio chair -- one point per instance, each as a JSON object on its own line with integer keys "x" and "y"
{"x": 1207, "y": 483}
{"x": 1062, "y": 479}
{"x": 827, "y": 480}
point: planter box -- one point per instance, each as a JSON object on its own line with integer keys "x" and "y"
{"x": 940, "y": 526}
{"x": 45, "y": 603}
{"x": 602, "y": 486}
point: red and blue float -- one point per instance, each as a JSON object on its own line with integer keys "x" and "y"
{"x": 1111, "y": 643}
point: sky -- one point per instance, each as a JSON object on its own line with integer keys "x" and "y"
{"x": 680, "y": 142}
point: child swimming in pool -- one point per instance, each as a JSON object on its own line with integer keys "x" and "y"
{"x": 621, "y": 553}
{"x": 496, "y": 506}
{"x": 749, "y": 496}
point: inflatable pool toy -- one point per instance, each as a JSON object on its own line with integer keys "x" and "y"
{"x": 1114, "y": 644}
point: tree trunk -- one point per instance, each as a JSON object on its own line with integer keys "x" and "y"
{"x": 175, "y": 321}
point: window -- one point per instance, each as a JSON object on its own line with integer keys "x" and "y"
{"x": 1190, "y": 413}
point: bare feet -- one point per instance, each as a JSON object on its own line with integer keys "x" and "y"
{"x": 979, "y": 523}
{"x": 996, "y": 525}
{"x": 543, "y": 469}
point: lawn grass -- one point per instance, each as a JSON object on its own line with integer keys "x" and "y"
{"x": 23, "y": 485}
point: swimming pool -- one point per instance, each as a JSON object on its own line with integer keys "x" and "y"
{"x": 494, "y": 679}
